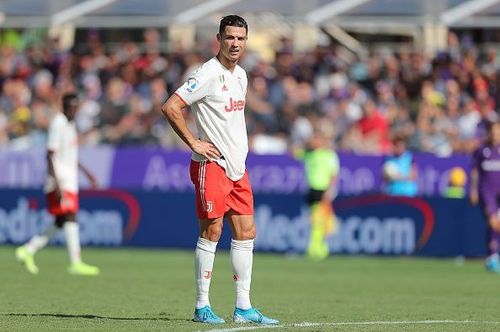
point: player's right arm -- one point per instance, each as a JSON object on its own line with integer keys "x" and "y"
{"x": 474, "y": 182}
{"x": 334, "y": 168}
{"x": 173, "y": 110}
{"x": 474, "y": 177}
{"x": 89, "y": 175}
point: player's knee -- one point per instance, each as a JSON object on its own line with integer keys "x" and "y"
{"x": 211, "y": 229}
{"x": 212, "y": 234}
{"x": 214, "y": 237}
{"x": 251, "y": 235}
{"x": 248, "y": 233}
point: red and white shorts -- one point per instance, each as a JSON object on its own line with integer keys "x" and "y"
{"x": 68, "y": 203}
{"x": 216, "y": 193}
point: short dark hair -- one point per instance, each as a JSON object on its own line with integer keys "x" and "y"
{"x": 232, "y": 21}
{"x": 67, "y": 99}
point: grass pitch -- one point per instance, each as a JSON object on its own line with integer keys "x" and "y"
{"x": 146, "y": 290}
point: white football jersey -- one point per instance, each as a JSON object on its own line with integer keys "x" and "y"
{"x": 217, "y": 100}
{"x": 63, "y": 141}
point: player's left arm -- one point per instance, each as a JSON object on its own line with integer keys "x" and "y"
{"x": 474, "y": 178}
{"x": 474, "y": 183}
{"x": 331, "y": 192}
{"x": 89, "y": 175}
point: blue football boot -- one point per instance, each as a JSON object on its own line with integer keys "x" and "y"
{"x": 492, "y": 265}
{"x": 252, "y": 315}
{"x": 206, "y": 315}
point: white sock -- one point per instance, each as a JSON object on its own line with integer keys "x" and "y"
{"x": 37, "y": 242}
{"x": 204, "y": 263}
{"x": 72, "y": 233}
{"x": 242, "y": 260}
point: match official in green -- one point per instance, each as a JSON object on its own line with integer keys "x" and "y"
{"x": 321, "y": 165}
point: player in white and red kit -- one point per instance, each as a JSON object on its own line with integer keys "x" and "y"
{"x": 216, "y": 95}
{"x": 61, "y": 189}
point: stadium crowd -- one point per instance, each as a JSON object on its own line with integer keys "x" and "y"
{"x": 440, "y": 103}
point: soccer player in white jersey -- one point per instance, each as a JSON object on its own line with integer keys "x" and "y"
{"x": 61, "y": 188}
{"x": 216, "y": 95}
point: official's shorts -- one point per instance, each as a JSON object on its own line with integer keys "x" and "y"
{"x": 216, "y": 194}
{"x": 67, "y": 205}
{"x": 314, "y": 196}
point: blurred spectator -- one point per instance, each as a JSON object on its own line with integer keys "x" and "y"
{"x": 456, "y": 183}
{"x": 373, "y": 129}
{"x": 441, "y": 103}
{"x": 87, "y": 118}
{"x": 399, "y": 170}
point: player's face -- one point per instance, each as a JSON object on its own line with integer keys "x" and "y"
{"x": 71, "y": 109}
{"x": 233, "y": 42}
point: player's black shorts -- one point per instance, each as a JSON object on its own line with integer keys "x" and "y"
{"x": 314, "y": 196}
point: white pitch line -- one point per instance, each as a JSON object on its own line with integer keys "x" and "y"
{"x": 310, "y": 324}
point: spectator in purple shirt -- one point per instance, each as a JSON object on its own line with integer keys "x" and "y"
{"x": 485, "y": 189}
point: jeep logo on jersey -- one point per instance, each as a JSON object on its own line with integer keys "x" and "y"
{"x": 192, "y": 84}
{"x": 235, "y": 105}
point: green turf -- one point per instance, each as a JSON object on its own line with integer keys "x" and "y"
{"x": 145, "y": 290}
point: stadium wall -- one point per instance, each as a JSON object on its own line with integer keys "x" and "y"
{"x": 368, "y": 224}
{"x": 152, "y": 169}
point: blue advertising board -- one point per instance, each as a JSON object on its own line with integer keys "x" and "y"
{"x": 369, "y": 224}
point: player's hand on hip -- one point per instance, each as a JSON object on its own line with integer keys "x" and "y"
{"x": 206, "y": 149}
